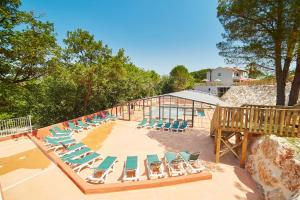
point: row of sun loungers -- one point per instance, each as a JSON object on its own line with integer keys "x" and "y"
{"x": 78, "y": 156}
{"x": 160, "y": 124}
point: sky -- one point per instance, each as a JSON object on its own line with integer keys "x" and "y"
{"x": 156, "y": 34}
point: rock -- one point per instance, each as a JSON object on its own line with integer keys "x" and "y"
{"x": 273, "y": 163}
{"x": 275, "y": 194}
{"x": 255, "y": 94}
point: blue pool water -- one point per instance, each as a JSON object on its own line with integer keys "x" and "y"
{"x": 165, "y": 113}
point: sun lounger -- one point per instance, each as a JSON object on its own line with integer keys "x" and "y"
{"x": 174, "y": 164}
{"x": 159, "y": 124}
{"x": 183, "y": 126}
{"x": 151, "y": 123}
{"x": 167, "y": 126}
{"x": 131, "y": 169}
{"x": 57, "y": 143}
{"x": 83, "y": 125}
{"x": 59, "y": 130}
{"x": 76, "y": 146}
{"x": 72, "y": 148}
{"x": 155, "y": 167}
{"x": 86, "y": 161}
{"x": 192, "y": 162}
{"x": 57, "y": 135}
{"x": 101, "y": 171}
{"x": 112, "y": 117}
{"x": 175, "y": 126}
{"x": 75, "y": 154}
{"x": 142, "y": 123}
{"x": 92, "y": 122}
{"x": 73, "y": 127}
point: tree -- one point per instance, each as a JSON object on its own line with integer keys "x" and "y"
{"x": 262, "y": 32}
{"x": 84, "y": 56}
{"x": 24, "y": 53}
{"x": 181, "y": 78}
{"x": 199, "y": 75}
{"x": 254, "y": 71}
{"x": 27, "y": 47}
{"x": 294, "y": 94}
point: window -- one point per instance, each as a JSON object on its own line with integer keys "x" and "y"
{"x": 219, "y": 74}
{"x": 237, "y": 74}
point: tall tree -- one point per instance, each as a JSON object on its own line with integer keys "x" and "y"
{"x": 181, "y": 78}
{"x": 264, "y": 32}
{"x": 24, "y": 52}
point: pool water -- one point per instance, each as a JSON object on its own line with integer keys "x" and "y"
{"x": 165, "y": 113}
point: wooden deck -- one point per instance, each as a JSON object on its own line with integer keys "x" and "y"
{"x": 242, "y": 122}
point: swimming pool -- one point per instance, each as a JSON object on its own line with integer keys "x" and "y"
{"x": 172, "y": 113}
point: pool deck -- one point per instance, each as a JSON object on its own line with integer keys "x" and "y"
{"x": 44, "y": 180}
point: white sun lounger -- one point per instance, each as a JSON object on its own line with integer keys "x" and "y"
{"x": 131, "y": 169}
{"x": 174, "y": 164}
{"x": 154, "y": 166}
{"x": 101, "y": 172}
{"x": 192, "y": 162}
{"x": 87, "y": 161}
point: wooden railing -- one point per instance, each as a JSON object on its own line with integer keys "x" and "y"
{"x": 257, "y": 120}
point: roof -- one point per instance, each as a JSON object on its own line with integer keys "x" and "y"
{"x": 198, "y": 96}
{"x": 235, "y": 69}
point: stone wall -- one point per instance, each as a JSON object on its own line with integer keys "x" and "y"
{"x": 256, "y": 94}
{"x": 274, "y": 163}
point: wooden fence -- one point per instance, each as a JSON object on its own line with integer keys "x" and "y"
{"x": 257, "y": 120}
{"x": 243, "y": 122}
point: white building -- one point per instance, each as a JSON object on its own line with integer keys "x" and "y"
{"x": 220, "y": 79}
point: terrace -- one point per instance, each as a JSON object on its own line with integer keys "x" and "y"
{"x": 25, "y": 163}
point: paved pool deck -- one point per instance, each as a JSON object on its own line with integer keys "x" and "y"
{"x": 26, "y": 173}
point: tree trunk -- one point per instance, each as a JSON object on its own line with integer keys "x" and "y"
{"x": 280, "y": 77}
{"x": 294, "y": 93}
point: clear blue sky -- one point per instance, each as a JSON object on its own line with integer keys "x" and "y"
{"x": 156, "y": 34}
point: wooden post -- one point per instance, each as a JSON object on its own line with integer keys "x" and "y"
{"x": 128, "y": 111}
{"x": 159, "y": 107}
{"x": 218, "y": 144}
{"x": 193, "y": 108}
{"x": 244, "y": 149}
{"x": 143, "y": 108}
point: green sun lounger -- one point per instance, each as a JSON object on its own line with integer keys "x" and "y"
{"x": 151, "y": 123}
{"x": 112, "y": 117}
{"x": 183, "y": 126}
{"x": 175, "y": 126}
{"x": 142, "y": 123}
{"x": 59, "y": 139}
{"x": 54, "y": 134}
{"x": 154, "y": 166}
{"x": 82, "y": 125}
{"x": 194, "y": 165}
{"x": 59, "y": 130}
{"x": 75, "y": 154}
{"x": 160, "y": 124}
{"x": 73, "y": 127}
{"x": 57, "y": 143}
{"x": 76, "y": 146}
{"x": 131, "y": 169}
{"x": 167, "y": 126}
{"x": 92, "y": 122}
{"x": 86, "y": 161}
{"x": 174, "y": 164}
{"x": 101, "y": 171}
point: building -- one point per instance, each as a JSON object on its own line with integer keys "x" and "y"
{"x": 220, "y": 79}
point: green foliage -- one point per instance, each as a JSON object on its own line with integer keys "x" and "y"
{"x": 254, "y": 71}
{"x": 180, "y": 78}
{"x": 199, "y": 75}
